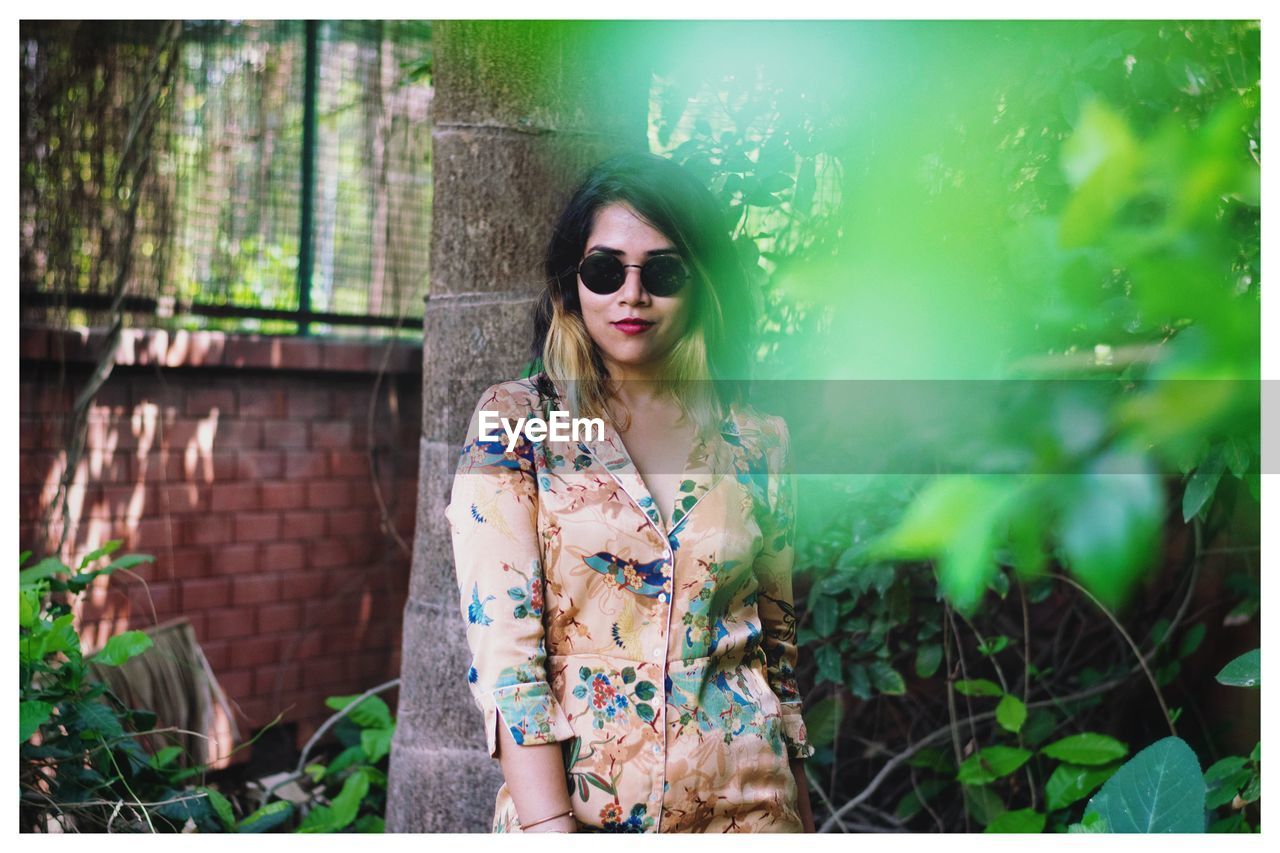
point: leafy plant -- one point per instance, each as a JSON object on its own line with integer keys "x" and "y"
{"x": 81, "y": 765}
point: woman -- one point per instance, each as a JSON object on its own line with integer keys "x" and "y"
{"x": 628, "y": 594}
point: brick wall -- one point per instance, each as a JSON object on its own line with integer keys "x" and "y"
{"x": 242, "y": 464}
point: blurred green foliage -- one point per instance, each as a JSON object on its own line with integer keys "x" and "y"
{"x": 1067, "y": 215}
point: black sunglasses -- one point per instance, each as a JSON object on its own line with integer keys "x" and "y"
{"x": 663, "y": 275}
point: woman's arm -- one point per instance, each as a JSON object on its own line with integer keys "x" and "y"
{"x": 493, "y": 517}
{"x": 536, "y": 781}
{"x": 802, "y": 799}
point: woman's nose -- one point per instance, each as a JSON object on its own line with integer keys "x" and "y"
{"x": 632, "y": 285}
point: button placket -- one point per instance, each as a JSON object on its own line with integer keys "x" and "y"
{"x": 661, "y": 748}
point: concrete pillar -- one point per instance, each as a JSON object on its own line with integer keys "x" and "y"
{"x": 521, "y": 109}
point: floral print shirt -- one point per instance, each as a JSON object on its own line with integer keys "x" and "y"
{"x": 662, "y": 660}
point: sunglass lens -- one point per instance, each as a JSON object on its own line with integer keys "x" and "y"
{"x": 602, "y": 273}
{"x": 664, "y": 275}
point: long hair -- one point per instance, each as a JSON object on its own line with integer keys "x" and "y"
{"x": 704, "y": 370}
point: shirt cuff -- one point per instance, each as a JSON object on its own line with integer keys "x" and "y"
{"x": 529, "y": 711}
{"x": 794, "y": 733}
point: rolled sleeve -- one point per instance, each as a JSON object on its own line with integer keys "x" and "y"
{"x": 773, "y": 570}
{"x": 493, "y": 514}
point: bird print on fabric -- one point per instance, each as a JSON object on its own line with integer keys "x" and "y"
{"x": 644, "y": 578}
{"x": 475, "y": 613}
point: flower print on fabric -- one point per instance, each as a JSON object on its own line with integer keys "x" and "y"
{"x": 661, "y": 657}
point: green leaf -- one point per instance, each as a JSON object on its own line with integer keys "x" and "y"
{"x": 1089, "y": 748}
{"x": 165, "y": 756}
{"x": 1161, "y": 789}
{"x": 221, "y": 807}
{"x": 31, "y": 716}
{"x": 1070, "y": 783}
{"x": 266, "y": 818}
{"x": 106, "y": 549}
{"x": 1244, "y": 671}
{"x": 371, "y": 713}
{"x": 1022, "y": 820}
{"x": 46, "y": 568}
{"x": 1110, "y": 525}
{"x": 1011, "y": 713}
{"x": 338, "y": 814}
{"x": 1191, "y": 640}
{"x": 376, "y": 743}
{"x": 1202, "y": 484}
{"x": 990, "y": 764}
{"x": 1224, "y": 779}
{"x": 826, "y": 615}
{"x": 978, "y": 687}
{"x": 993, "y": 645}
{"x": 1090, "y": 823}
{"x": 645, "y": 711}
{"x": 928, "y": 659}
{"x": 121, "y": 648}
{"x": 886, "y": 679}
{"x": 645, "y": 690}
{"x": 95, "y": 720}
{"x": 829, "y": 663}
{"x": 822, "y": 721}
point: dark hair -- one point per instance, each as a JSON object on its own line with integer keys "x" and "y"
{"x": 675, "y": 203}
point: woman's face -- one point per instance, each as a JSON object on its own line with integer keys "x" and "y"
{"x": 618, "y": 230}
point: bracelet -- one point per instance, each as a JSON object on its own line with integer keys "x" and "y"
{"x": 545, "y": 819}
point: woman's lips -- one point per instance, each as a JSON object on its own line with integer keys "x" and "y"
{"x": 632, "y": 327}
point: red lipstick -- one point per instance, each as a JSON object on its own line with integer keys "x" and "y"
{"x": 632, "y": 326}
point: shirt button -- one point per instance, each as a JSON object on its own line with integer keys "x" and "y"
{"x": 659, "y": 652}
{"x": 657, "y": 748}
{"x": 662, "y": 596}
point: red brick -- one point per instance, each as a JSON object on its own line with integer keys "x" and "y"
{"x": 259, "y": 465}
{"x": 308, "y": 404}
{"x": 328, "y": 493}
{"x": 35, "y": 468}
{"x": 234, "y": 497}
{"x": 367, "y": 667}
{"x": 344, "y": 356}
{"x": 279, "y": 618}
{"x": 111, "y": 467}
{"x": 270, "y": 679}
{"x": 298, "y": 354}
{"x": 310, "y": 645}
{"x": 185, "y": 563}
{"x": 348, "y": 463}
{"x": 239, "y": 435}
{"x": 203, "y": 401}
{"x": 256, "y": 712}
{"x": 326, "y": 613}
{"x": 156, "y": 533}
{"x": 257, "y": 526}
{"x": 341, "y": 639}
{"x": 205, "y": 593}
{"x": 305, "y": 465}
{"x": 218, "y": 654}
{"x": 321, "y": 672}
{"x": 289, "y": 494}
{"x": 255, "y": 589}
{"x": 142, "y": 597}
{"x": 183, "y": 497}
{"x": 284, "y": 434}
{"x": 303, "y": 524}
{"x": 227, "y": 622}
{"x": 281, "y": 557}
{"x": 255, "y": 651}
{"x": 331, "y": 551}
{"x": 238, "y": 683}
{"x": 296, "y": 586}
{"x": 331, "y": 435}
{"x": 208, "y": 530}
{"x": 362, "y": 493}
{"x": 352, "y": 522}
{"x": 262, "y": 403}
{"x": 238, "y": 559}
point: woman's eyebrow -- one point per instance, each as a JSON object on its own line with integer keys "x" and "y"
{"x": 671, "y": 250}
